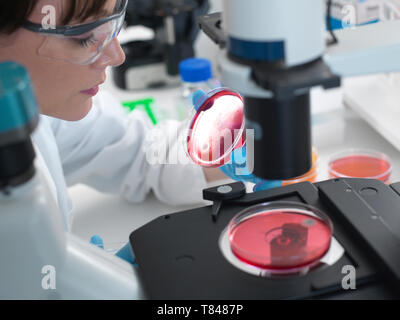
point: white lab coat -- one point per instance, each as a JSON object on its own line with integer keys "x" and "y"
{"x": 106, "y": 151}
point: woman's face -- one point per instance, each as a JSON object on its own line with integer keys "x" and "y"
{"x": 64, "y": 90}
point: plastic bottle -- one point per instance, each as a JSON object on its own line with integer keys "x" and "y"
{"x": 196, "y": 74}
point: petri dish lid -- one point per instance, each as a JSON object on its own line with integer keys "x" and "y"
{"x": 280, "y": 237}
{"x": 217, "y": 128}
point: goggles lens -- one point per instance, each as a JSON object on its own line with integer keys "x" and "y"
{"x": 84, "y": 48}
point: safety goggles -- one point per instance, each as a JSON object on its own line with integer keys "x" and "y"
{"x": 80, "y": 44}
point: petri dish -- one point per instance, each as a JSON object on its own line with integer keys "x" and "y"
{"x": 357, "y": 163}
{"x": 310, "y": 176}
{"x": 280, "y": 237}
{"x": 217, "y": 128}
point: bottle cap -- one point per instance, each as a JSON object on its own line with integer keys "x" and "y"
{"x": 195, "y": 70}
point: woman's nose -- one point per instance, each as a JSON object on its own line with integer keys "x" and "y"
{"x": 111, "y": 55}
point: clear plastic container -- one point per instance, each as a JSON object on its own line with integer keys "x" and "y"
{"x": 357, "y": 163}
{"x": 281, "y": 237}
{"x": 196, "y": 74}
{"x": 188, "y": 88}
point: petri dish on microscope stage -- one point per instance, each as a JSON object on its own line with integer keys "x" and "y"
{"x": 357, "y": 163}
{"x": 217, "y": 128}
{"x": 280, "y": 237}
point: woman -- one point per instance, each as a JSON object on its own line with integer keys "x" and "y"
{"x": 83, "y": 136}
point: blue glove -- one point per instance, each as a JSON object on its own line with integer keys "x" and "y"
{"x": 267, "y": 184}
{"x": 198, "y": 98}
{"x": 237, "y": 169}
{"x": 125, "y": 253}
{"x": 97, "y": 241}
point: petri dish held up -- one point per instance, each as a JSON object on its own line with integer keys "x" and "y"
{"x": 357, "y": 163}
{"x": 281, "y": 237}
{"x": 217, "y": 128}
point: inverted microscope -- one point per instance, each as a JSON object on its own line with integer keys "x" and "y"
{"x": 335, "y": 239}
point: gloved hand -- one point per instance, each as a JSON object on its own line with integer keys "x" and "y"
{"x": 125, "y": 253}
{"x": 267, "y": 184}
{"x": 237, "y": 169}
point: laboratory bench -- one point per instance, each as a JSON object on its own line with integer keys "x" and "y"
{"x": 335, "y": 128}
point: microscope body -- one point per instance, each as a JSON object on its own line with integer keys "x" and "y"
{"x": 273, "y": 49}
{"x": 154, "y": 62}
{"x": 273, "y": 53}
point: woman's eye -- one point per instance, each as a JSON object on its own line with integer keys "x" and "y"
{"x": 85, "y": 42}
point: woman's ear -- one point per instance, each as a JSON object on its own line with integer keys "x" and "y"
{"x": 6, "y": 40}
{"x": 10, "y": 47}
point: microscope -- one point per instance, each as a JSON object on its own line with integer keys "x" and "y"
{"x": 273, "y": 53}
{"x": 154, "y": 63}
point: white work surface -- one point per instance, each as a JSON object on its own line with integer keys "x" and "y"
{"x": 335, "y": 128}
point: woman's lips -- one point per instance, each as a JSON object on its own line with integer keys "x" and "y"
{"x": 91, "y": 92}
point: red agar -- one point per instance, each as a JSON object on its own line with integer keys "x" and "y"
{"x": 281, "y": 239}
{"x": 361, "y": 166}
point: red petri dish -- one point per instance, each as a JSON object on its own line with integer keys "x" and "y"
{"x": 361, "y": 164}
{"x": 281, "y": 237}
{"x": 217, "y": 128}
